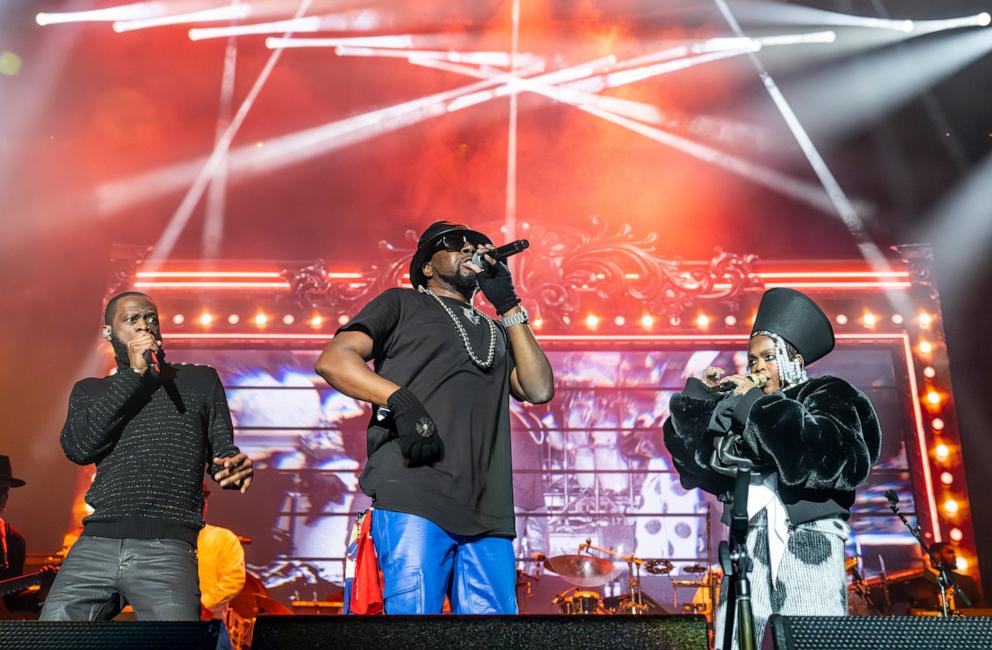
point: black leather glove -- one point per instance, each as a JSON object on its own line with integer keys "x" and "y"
{"x": 419, "y": 441}
{"x": 497, "y": 286}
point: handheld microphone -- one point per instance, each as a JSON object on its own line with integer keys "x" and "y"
{"x": 729, "y": 386}
{"x": 501, "y": 253}
{"x": 151, "y": 360}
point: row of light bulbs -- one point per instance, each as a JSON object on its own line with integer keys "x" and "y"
{"x": 942, "y": 452}
{"x": 591, "y": 321}
{"x": 259, "y": 319}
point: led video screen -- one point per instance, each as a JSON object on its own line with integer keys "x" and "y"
{"x": 590, "y": 465}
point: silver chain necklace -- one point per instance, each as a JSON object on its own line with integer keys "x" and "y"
{"x": 485, "y": 365}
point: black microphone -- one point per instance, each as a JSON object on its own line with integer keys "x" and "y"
{"x": 501, "y": 253}
{"x": 151, "y": 360}
{"x": 725, "y": 387}
{"x": 729, "y": 386}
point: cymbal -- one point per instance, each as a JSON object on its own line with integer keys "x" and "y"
{"x": 694, "y": 568}
{"x": 581, "y": 570}
{"x": 268, "y": 605}
{"x": 253, "y": 585}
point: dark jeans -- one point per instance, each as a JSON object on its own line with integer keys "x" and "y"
{"x": 158, "y": 577}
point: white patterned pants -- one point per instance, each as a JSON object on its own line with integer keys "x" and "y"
{"x": 811, "y": 580}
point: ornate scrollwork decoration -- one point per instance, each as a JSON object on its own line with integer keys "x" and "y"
{"x": 570, "y": 265}
{"x": 919, "y": 263}
{"x": 312, "y": 289}
{"x": 619, "y": 267}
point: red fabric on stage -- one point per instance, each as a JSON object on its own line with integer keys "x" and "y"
{"x": 366, "y": 591}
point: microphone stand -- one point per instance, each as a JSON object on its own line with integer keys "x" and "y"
{"x": 945, "y": 580}
{"x": 736, "y": 564}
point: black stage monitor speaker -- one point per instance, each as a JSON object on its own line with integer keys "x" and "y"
{"x": 109, "y": 635}
{"x": 879, "y": 633}
{"x": 473, "y": 632}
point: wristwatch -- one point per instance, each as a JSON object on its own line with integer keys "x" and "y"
{"x": 518, "y": 318}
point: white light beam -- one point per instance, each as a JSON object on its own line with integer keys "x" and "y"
{"x": 351, "y": 21}
{"x": 230, "y": 12}
{"x": 170, "y": 235}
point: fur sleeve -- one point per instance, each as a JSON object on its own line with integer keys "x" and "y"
{"x": 824, "y": 436}
{"x": 689, "y": 441}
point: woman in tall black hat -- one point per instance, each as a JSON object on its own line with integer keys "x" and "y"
{"x": 813, "y": 442}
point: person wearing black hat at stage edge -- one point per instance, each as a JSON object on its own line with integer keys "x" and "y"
{"x": 438, "y": 466}
{"x": 813, "y": 441}
{"x": 13, "y": 547}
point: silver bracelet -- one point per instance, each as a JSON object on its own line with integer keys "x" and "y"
{"x": 519, "y": 318}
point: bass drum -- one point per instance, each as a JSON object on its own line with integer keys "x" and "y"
{"x": 582, "y": 603}
{"x": 628, "y": 604}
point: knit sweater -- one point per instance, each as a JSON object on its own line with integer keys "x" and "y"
{"x": 151, "y": 440}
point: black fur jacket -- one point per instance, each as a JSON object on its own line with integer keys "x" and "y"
{"x": 821, "y": 437}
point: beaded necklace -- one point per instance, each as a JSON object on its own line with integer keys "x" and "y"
{"x": 485, "y": 365}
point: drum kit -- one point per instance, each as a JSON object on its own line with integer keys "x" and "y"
{"x": 585, "y": 571}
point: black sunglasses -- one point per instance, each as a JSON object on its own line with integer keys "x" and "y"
{"x": 455, "y": 243}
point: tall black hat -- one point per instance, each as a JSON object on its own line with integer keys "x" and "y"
{"x": 431, "y": 239}
{"x": 798, "y": 320}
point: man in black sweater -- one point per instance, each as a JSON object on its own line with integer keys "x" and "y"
{"x": 152, "y": 429}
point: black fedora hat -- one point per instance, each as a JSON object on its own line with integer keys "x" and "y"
{"x": 797, "y": 319}
{"x": 431, "y": 238}
{"x": 5, "y": 476}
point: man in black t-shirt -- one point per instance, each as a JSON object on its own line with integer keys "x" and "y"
{"x": 439, "y": 466}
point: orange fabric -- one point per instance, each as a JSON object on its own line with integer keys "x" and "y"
{"x": 366, "y": 590}
{"x": 221, "y": 568}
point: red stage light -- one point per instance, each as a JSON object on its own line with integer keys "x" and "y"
{"x": 208, "y": 274}
{"x": 211, "y": 285}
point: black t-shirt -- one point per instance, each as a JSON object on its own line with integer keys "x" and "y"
{"x": 469, "y": 491}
